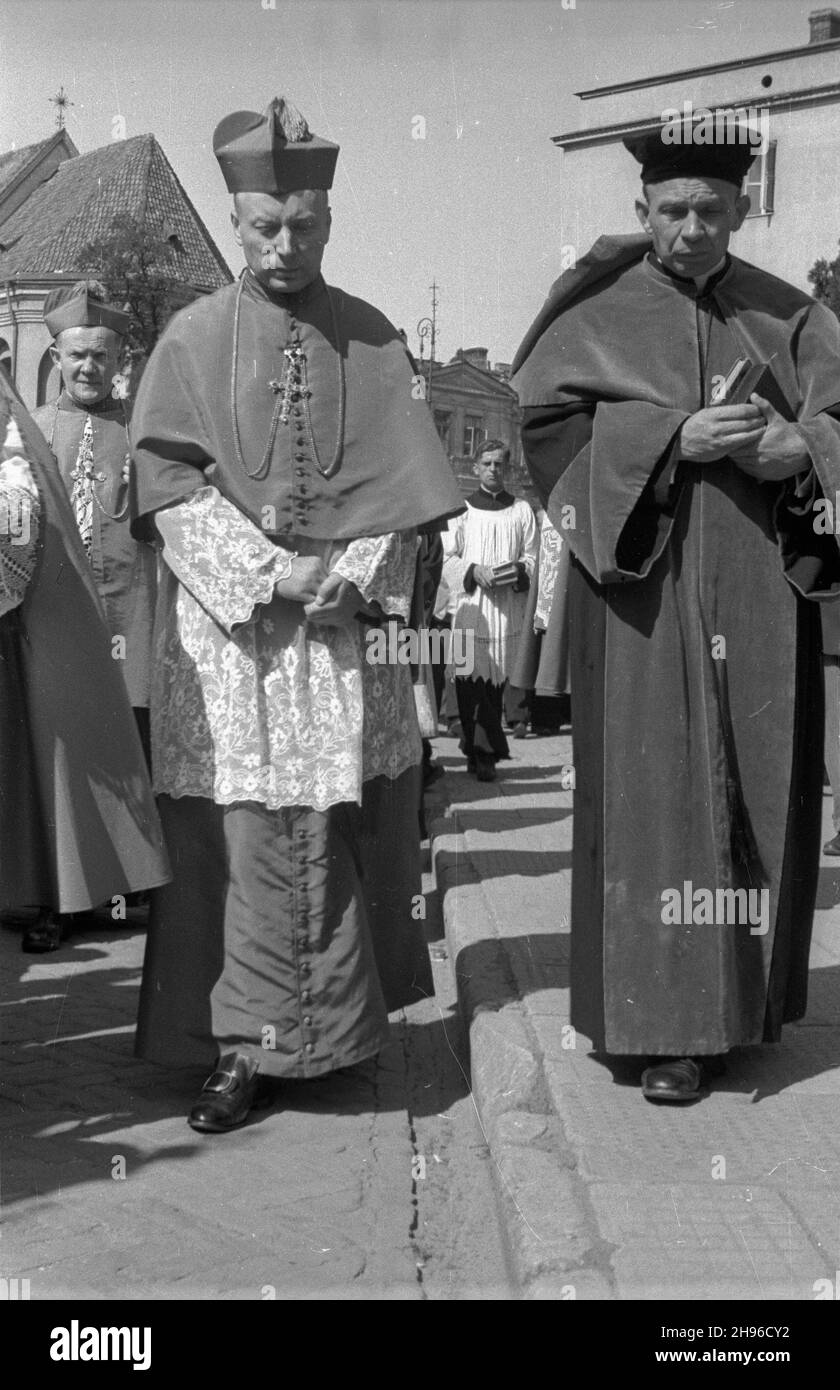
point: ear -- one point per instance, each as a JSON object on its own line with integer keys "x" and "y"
{"x": 742, "y": 207}
{"x": 55, "y": 355}
{"x": 643, "y": 213}
{"x": 328, "y": 220}
{"x": 234, "y": 222}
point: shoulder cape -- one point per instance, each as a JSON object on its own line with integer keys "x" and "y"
{"x": 392, "y": 474}
{"x": 609, "y": 255}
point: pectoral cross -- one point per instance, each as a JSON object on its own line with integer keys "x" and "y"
{"x": 292, "y": 382}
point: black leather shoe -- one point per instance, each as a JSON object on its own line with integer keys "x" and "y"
{"x": 678, "y": 1080}
{"x": 227, "y": 1096}
{"x": 485, "y": 767}
{"x": 832, "y": 846}
{"x": 46, "y": 934}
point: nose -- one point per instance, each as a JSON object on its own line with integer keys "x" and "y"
{"x": 283, "y": 242}
{"x": 693, "y": 229}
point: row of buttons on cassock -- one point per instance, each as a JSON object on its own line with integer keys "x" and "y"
{"x": 300, "y": 442}
{"x": 303, "y": 942}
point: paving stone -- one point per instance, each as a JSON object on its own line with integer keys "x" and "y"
{"x": 737, "y": 1197}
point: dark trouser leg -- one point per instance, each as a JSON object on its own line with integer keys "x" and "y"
{"x": 467, "y": 697}
{"x": 480, "y": 710}
{"x": 549, "y": 712}
{"x": 515, "y": 702}
{"x": 439, "y": 667}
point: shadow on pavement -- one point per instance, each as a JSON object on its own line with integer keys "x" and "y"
{"x": 476, "y": 818}
{"x": 71, "y": 1088}
{"x": 489, "y": 864}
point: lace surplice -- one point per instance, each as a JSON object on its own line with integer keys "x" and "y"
{"x": 494, "y": 617}
{"x": 20, "y": 512}
{"x": 251, "y": 701}
{"x": 551, "y": 546}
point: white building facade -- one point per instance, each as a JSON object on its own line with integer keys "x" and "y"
{"x": 794, "y": 185}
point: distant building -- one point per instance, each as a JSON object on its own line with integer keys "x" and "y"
{"x": 53, "y": 203}
{"x": 472, "y": 401}
{"x": 793, "y": 185}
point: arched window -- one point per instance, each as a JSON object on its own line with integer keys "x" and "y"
{"x": 49, "y": 379}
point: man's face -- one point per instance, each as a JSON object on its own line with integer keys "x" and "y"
{"x": 490, "y": 470}
{"x": 88, "y": 359}
{"x": 283, "y": 238}
{"x": 691, "y": 221}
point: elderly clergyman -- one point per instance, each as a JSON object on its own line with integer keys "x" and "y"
{"x": 686, "y": 492}
{"x": 86, "y": 427}
{"x": 78, "y": 823}
{"x": 286, "y": 460}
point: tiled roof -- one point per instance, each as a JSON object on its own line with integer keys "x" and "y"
{"x": 13, "y": 161}
{"x": 77, "y": 205}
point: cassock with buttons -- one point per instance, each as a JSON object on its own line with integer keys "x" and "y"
{"x": 89, "y": 442}
{"x": 694, "y": 597}
{"x": 267, "y": 425}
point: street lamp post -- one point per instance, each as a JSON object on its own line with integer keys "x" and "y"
{"x": 427, "y": 328}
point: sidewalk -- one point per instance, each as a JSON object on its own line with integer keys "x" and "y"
{"x": 605, "y": 1196}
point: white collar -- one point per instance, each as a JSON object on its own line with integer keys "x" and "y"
{"x": 701, "y": 280}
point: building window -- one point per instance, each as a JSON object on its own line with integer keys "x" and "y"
{"x": 443, "y": 424}
{"x": 5, "y": 356}
{"x": 49, "y": 380}
{"x": 473, "y": 433}
{"x": 760, "y": 186}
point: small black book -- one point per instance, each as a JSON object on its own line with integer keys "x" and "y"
{"x": 747, "y": 377}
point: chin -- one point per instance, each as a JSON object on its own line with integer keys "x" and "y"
{"x": 286, "y": 284}
{"x": 697, "y": 265}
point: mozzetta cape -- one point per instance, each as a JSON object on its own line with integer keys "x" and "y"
{"x": 696, "y": 682}
{"x": 77, "y": 818}
{"x": 392, "y": 473}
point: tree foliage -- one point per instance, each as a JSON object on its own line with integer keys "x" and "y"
{"x": 139, "y": 268}
{"x": 825, "y": 277}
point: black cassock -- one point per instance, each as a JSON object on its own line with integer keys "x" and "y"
{"x": 695, "y": 651}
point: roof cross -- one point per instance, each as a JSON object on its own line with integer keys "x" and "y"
{"x": 61, "y": 101}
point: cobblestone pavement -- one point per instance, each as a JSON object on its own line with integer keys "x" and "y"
{"x": 605, "y": 1195}
{"x": 372, "y": 1183}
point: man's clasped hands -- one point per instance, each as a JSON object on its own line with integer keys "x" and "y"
{"x": 328, "y": 599}
{"x": 753, "y": 434}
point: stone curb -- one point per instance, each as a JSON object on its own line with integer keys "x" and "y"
{"x": 556, "y": 1248}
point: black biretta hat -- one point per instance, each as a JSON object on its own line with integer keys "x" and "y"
{"x": 707, "y": 145}
{"x": 273, "y": 151}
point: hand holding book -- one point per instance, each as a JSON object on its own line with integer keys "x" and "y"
{"x": 779, "y": 452}
{"x": 750, "y": 421}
